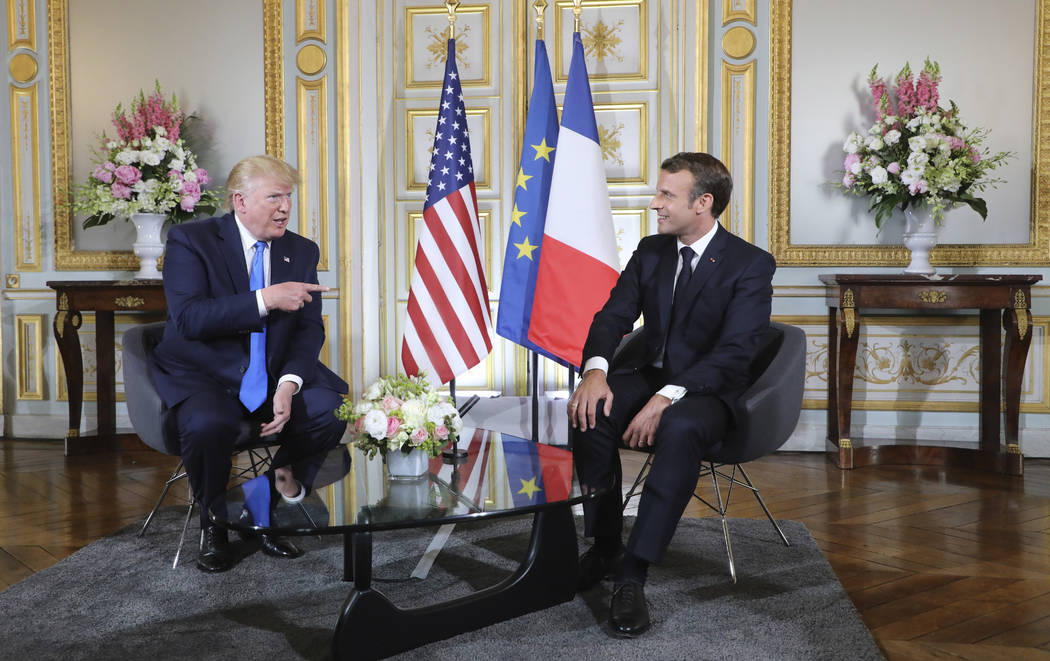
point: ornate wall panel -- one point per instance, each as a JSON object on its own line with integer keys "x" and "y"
{"x": 426, "y": 45}
{"x": 789, "y": 251}
{"x": 21, "y": 24}
{"x": 312, "y": 106}
{"x": 615, "y": 38}
{"x": 25, "y": 169}
{"x": 67, "y": 255}
{"x": 310, "y": 20}
{"x": 738, "y": 145}
{"x": 29, "y": 351}
{"x": 913, "y": 363}
{"x": 739, "y": 10}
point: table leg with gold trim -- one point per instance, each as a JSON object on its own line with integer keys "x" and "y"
{"x": 67, "y": 338}
{"x": 1017, "y": 323}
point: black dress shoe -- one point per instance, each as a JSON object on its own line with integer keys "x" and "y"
{"x": 279, "y": 547}
{"x": 215, "y": 554}
{"x": 628, "y": 613}
{"x": 595, "y": 567}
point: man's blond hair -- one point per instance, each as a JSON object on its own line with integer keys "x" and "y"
{"x": 245, "y": 176}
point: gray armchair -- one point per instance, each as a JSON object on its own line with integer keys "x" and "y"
{"x": 772, "y": 404}
{"x": 153, "y": 425}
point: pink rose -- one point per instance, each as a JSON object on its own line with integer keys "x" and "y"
{"x": 956, "y": 142}
{"x": 441, "y": 432}
{"x": 975, "y": 155}
{"x": 119, "y": 190}
{"x": 390, "y": 403}
{"x": 894, "y": 168}
{"x": 128, "y": 175}
{"x": 188, "y": 202}
{"x": 848, "y": 180}
{"x": 202, "y": 176}
{"x": 392, "y": 425}
{"x": 359, "y": 425}
{"x": 918, "y": 187}
{"x": 851, "y": 160}
{"x": 191, "y": 188}
{"x": 419, "y": 435}
{"x": 103, "y": 174}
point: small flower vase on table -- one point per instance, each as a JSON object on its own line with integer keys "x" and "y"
{"x": 404, "y": 419}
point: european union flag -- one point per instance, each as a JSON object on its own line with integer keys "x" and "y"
{"x": 531, "y": 192}
{"x": 536, "y": 473}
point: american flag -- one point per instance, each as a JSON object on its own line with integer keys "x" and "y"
{"x": 447, "y": 327}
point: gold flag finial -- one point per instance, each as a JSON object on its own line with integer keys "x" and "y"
{"x": 539, "y": 6}
{"x": 451, "y": 6}
{"x": 577, "y": 9}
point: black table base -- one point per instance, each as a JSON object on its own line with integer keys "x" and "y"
{"x": 370, "y": 626}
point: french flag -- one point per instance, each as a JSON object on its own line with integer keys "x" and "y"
{"x": 578, "y": 259}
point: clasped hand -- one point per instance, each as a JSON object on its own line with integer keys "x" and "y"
{"x": 290, "y": 296}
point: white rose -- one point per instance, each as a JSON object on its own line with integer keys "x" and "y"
{"x": 855, "y": 168}
{"x": 150, "y": 158}
{"x": 160, "y": 130}
{"x": 151, "y": 185}
{"x": 914, "y": 122}
{"x": 892, "y": 137}
{"x": 917, "y": 143}
{"x": 139, "y": 186}
{"x": 876, "y": 143}
{"x": 362, "y": 408}
{"x": 414, "y": 412}
{"x": 162, "y": 144}
{"x": 910, "y": 176}
{"x": 917, "y": 160}
{"x": 127, "y": 157}
{"x": 853, "y": 143}
{"x": 375, "y": 424}
{"x": 374, "y": 391}
{"x": 177, "y": 165}
{"x": 190, "y": 176}
{"x": 879, "y": 175}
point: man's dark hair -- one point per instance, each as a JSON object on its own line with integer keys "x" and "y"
{"x": 709, "y": 176}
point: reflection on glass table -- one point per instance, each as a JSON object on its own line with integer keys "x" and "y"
{"x": 500, "y": 475}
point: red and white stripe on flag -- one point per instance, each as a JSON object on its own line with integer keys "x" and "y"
{"x": 447, "y": 329}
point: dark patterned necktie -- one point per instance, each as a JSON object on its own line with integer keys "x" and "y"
{"x": 683, "y": 279}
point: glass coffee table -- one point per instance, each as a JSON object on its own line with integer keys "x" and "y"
{"x": 498, "y": 476}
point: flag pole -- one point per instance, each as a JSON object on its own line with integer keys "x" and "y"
{"x": 539, "y": 6}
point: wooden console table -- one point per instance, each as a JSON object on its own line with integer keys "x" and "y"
{"x": 1005, "y": 299}
{"x": 103, "y": 297}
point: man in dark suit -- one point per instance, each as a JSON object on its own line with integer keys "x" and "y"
{"x": 241, "y": 343}
{"x": 705, "y": 296}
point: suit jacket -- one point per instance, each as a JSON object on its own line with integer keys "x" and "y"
{"x": 212, "y": 313}
{"x": 723, "y": 326}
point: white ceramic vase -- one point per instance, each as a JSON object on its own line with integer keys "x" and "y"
{"x": 920, "y": 237}
{"x": 407, "y": 466}
{"x": 148, "y": 247}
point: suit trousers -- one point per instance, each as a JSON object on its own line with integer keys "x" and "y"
{"x": 688, "y": 431}
{"x": 208, "y": 424}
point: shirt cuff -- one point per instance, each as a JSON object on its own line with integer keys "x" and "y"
{"x": 596, "y": 363}
{"x": 673, "y": 393}
{"x": 259, "y": 303}
{"x": 294, "y": 379}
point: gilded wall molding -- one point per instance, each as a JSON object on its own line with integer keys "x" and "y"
{"x": 29, "y": 356}
{"x": 25, "y": 166}
{"x": 309, "y": 20}
{"x": 700, "y": 76}
{"x": 67, "y": 256}
{"x": 312, "y": 98}
{"x": 1036, "y": 251}
{"x": 740, "y": 10}
{"x": 21, "y": 24}
{"x": 738, "y": 145}
{"x": 343, "y": 22}
{"x": 605, "y": 43}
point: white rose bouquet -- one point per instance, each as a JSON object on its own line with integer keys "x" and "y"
{"x": 918, "y": 153}
{"x": 401, "y": 413}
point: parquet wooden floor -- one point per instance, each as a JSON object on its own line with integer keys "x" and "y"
{"x": 941, "y": 563}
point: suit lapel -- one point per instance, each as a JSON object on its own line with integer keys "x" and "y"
{"x": 665, "y": 278}
{"x": 280, "y": 261}
{"x": 233, "y": 252}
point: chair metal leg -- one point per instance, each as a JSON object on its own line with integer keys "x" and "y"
{"x": 175, "y": 477}
{"x": 765, "y": 509}
{"x": 725, "y": 525}
{"x": 633, "y": 491}
{"x": 185, "y": 525}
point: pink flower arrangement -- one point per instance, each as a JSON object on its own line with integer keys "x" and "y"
{"x": 917, "y": 153}
{"x": 147, "y": 169}
{"x": 401, "y": 413}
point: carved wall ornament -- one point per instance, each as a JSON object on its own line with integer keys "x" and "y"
{"x": 601, "y": 41}
{"x": 930, "y": 296}
{"x": 129, "y": 301}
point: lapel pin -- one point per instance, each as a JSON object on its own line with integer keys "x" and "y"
{"x": 712, "y": 259}
{"x": 288, "y": 259}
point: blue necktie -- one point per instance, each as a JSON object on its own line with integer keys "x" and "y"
{"x": 253, "y": 383}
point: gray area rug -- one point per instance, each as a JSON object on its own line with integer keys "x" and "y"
{"x": 119, "y": 599}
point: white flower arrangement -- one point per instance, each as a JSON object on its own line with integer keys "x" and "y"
{"x": 918, "y": 153}
{"x": 401, "y": 413}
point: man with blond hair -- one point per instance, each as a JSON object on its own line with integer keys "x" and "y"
{"x": 241, "y": 343}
